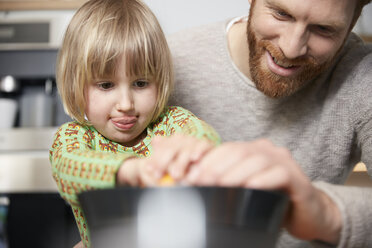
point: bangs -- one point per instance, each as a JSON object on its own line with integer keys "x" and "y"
{"x": 135, "y": 42}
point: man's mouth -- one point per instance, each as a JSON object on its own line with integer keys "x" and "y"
{"x": 281, "y": 68}
{"x": 282, "y": 64}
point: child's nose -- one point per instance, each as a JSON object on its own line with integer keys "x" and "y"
{"x": 125, "y": 101}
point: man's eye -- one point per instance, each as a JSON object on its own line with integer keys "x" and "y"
{"x": 140, "y": 84}
{"x": 281, "y": 15}
{"x": 105, "y": 85}
{"x": 324, "y": 30}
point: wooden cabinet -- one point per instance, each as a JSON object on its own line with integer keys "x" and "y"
{"x": 40, "y": 4}
{"x": 367, "y": 38}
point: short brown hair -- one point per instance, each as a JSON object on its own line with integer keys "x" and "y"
{"x": 100, "y": 32}
{"x": 358, "y": 10}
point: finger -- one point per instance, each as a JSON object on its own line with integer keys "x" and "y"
{"x": 187, "y": 156}
{"x": 215, "y": 163}
{"x": 145, "y": 176}
{"x": 179, "y": 165}
{"x": 177, "y": 151}
{"x": 156, "y": 140}
{"x": 164, "y": 153}
{"x": 275, "y": 177}
{"x": 238, "y": 175}
{"x": 199, "y": 149}
{"x": 128, "y": 172}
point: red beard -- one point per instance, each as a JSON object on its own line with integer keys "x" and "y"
{"x": 274, "y": 85}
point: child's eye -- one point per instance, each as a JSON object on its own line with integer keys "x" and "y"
{"x": 140, "y": 83}
{"x": 105, "y": 85}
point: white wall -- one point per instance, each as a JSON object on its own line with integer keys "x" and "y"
{"x": 365, "y": 21}
{"x": 173, "y": 15}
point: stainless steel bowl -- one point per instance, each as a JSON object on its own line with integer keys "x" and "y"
{"x": 190, "y": 217}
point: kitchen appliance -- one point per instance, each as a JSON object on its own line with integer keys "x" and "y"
{"x": 32, "y": 213}
{"x": 8, "y": 110}
{"x": 38, "y": 219}
{"x": 9, "y": 88}
{"x": 36, "y": 94}
{"x": 37, "y": 104}
{"x": 183, "y": 217}
{"x": 38, "y": 31}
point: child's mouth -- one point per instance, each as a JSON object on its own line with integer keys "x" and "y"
{"x": 124, "y": 123}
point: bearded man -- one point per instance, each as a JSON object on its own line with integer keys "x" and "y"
{"x": 292, "y": 84}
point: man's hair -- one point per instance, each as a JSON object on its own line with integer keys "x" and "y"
{"x": 358, "y": 10}
{"x": 99, "y": 34}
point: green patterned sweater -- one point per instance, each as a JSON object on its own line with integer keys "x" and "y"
{"x": 83, "y": 159}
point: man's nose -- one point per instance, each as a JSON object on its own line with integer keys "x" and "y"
{"x": 294, "y": 42}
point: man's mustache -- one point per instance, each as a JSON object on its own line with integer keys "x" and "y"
{"x": 280, "y": 57}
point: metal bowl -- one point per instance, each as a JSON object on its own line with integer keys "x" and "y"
{"x": 189, "y": 217}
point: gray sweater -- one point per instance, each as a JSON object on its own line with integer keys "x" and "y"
{"x": 327, "y": 125}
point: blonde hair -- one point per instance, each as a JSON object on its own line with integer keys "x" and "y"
{"x": 101, "y": 32}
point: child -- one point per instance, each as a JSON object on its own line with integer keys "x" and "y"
{"x": 114, "y": 75}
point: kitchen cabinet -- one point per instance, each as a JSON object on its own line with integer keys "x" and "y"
{"x": 359, "y": 177}
{"x": 39, "y": 219}
{"x": 40, "y": 4}
{"x": 367, "y": 38}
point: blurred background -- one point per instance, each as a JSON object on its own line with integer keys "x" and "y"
{"x": 31, "y": 211}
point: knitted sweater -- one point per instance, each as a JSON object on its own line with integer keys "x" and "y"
{"x": 327, "y": 125}
{"x": 82, "y": 159}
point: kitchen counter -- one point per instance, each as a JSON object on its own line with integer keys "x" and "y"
{"x": 24, "y": 160}
{"x": 26, "y": 139}
{"x": 26, "y": 172}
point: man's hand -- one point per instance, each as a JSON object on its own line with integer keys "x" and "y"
{"x": 312, "y": 215}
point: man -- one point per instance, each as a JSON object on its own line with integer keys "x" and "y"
{"x": 293, "y": 83}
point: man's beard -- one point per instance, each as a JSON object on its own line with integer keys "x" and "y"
{"x": 274, "y": 85}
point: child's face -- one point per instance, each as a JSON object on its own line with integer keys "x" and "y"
{"x": 121, "y": 108}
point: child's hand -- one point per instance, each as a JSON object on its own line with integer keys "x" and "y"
{"x": 135, "y": 172}
{"x": 171, "y": 155}
{"x": 175, "y": 154}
